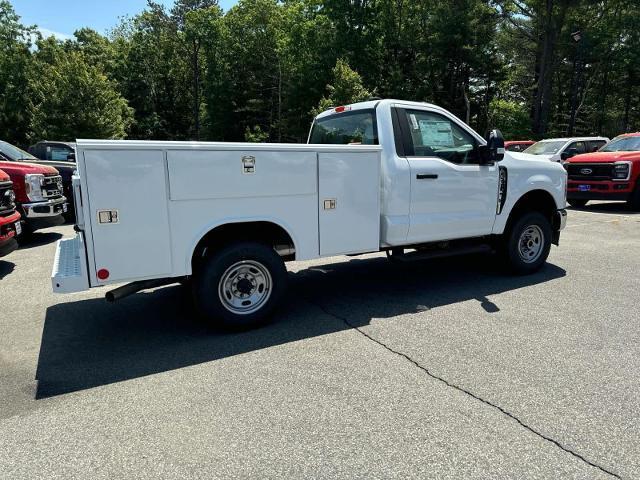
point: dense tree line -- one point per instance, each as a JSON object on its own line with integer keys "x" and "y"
{"x": 259, "y": 71}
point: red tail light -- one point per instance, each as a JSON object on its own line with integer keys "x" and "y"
{"x": 103, "y": 274}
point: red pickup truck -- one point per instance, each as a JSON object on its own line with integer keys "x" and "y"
{"x": 9, "y": 219}
{"x": 611, "y": 173}
{"x": 38, "y": 189}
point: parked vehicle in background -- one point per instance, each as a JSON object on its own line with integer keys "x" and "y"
{"x": 517, "y": 145}
{"x": 559, "y": 149}
{"x": 612, "y": 173}
{"x": 62, "y": 157}
{"x": 10, "y": 226}
{"x": 54, "y": 151}
{"x": 38, "y": 189}
{"x": 406, "y": 178}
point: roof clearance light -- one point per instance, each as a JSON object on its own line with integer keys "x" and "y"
{"x": 341, "y": 109}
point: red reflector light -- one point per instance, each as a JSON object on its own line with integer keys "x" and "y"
{"x": 103, "y": 274}
{"x": 341, "y": 109}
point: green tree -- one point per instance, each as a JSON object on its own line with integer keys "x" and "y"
{"x": 202, "y": 34}
{"x": 15, "y": 63}
{"x": 345, "y": 88}
{"x": 259, "y": 70}
{"x": 73, "y": 99}
{"x": 154, "y": 75}
{"x": 511, "y": 118}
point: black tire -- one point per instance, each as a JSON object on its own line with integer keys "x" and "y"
{"x": 216, "y": 280}
{"x": 634, "y": 199}
{"x": 577, "y": 203}
{"x": 537, "y": 224}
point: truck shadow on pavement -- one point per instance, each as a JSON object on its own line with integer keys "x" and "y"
{"x": 91, "y": 343}
{"x": 614, "y": 208}
{"x": 6, "y": 268}
{"x": 38, "y": 239}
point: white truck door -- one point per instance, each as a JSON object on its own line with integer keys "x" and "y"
{"x": 132, "y": 185}
{"x": 452, "y": 196}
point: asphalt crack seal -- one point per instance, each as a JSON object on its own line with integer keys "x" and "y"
{"x": 463, "y": 390}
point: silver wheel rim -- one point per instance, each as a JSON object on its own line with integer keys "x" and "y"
{"x": 531, "y": 243}
{"x": 245, "y": 287}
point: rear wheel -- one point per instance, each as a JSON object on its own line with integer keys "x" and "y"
{"x": 527, "y": 243}
{"x": 240, "y": 286}
{"x": 577, "y": 203}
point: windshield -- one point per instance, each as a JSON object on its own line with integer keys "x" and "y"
{"x": 14, "y": 153}
{"x": 545, "y": 148}
{"x": 622, "y": 144}
{"x": 349, "y": 128}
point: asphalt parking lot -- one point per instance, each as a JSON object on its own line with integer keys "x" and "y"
{"x": 446, "y": 369}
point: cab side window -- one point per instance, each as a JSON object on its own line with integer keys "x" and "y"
{"x": 58, "y": 153}
{"x": 595, "y": 145}
{"x": 429, "y": 134}
{"x": 579, "y": 146}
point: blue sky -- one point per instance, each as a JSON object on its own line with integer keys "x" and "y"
{"x": 62, "y": 17}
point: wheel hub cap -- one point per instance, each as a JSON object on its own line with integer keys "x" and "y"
{"x": 245, "y": 287}
{"x": 531, "y": 244}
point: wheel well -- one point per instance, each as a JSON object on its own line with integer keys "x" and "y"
{"x": 268, "y": 233}
{"x": 533, "y": 201}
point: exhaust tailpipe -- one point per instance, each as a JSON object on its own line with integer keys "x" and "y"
{"x": 134, "y": 287}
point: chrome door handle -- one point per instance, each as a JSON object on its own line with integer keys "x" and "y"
{"x": 426, "y": 176}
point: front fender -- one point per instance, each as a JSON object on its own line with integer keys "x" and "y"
{"x": 523, "y": 181}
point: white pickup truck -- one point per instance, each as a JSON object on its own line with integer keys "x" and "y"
{"x": 407, "y": 178}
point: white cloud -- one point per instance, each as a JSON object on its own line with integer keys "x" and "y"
{"x": 51, "y": 33}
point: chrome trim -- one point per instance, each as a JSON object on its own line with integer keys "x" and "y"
{"x": 586, "y": 164}
{"x": 53, "y": 186}
{"x": 29, "y": 213}
{"x": 621, "y": 162}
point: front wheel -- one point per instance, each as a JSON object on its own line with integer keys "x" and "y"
{"x": 527, "y": 243}
{"x": 239, "y": 287}
{"x": 577, "y": 203}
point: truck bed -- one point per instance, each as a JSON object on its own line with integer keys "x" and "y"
{"x": 146, "y": 205}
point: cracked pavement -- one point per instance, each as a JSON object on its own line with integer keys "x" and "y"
{"x": 443, "y": 369}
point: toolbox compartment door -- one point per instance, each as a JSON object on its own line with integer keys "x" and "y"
{"x": 127, "y": 196}
{"x": 349, "y": 202}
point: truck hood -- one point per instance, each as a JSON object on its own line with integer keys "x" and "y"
{"x": 56, "y": 164}
{"x": 605, "y": 157}
{"x": 3, "y": 176}
{"x": 22, "y": 168}
{"x": 527, "y": 156}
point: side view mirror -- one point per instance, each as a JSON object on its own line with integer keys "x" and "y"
{"x": 493, "y": 151}
{"x": 568, "y": 153}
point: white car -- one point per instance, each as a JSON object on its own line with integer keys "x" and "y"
{"x": 558, "y": 149}
{"x": 406, "y": 178}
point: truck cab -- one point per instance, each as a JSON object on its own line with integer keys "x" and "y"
{"x": 437, "y": 182}
{"x": 38, "y": 189}
{"x": 10, "y": 226}
{"x": 611, "y": 173}
{"x": 406, "y": 178}
{"x": 560, "y": 149}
